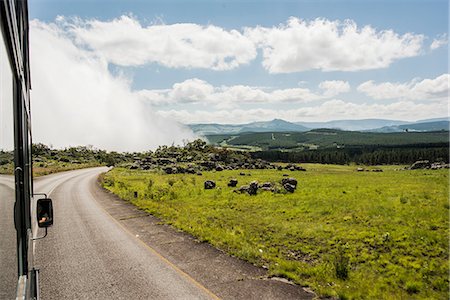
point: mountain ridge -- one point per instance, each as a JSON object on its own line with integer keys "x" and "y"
{"x": 279, "y": 125}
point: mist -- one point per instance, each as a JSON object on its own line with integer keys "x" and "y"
{"x": 76, "y": 100}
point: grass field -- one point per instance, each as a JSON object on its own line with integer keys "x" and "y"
{"x": 346, "y": 234}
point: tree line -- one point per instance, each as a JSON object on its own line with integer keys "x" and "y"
{"x": 371, "y": 155}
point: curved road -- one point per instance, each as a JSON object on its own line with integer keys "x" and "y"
{"x": 89, "y": 255}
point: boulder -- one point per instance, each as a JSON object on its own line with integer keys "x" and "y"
{"x": 232, "y": 183}
{"x": 242, "y": 189}
{"x": 421, "y": 164}
{"x": 290, "y": 180}
{"x": 289, "y": 187}
{"x": 266, "y": 185}
{"x": 209, "y": 184}
{"x": 253, "y": 188}
{"x": 219, "y": 168}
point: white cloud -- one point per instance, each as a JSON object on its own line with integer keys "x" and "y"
{"x": 329, "y": 110}
{"x": 201, "y": 92}
{"x": 76, "y": 100}
{"x": 126, "y": 42}
{"x": 427, "y": 89}
{"x": 331, "y": 46}
{"x": 334, "y": 87}
{"x": 440, "y": 41}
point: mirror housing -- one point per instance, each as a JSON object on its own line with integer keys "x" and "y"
{"x": 44, "y": 212}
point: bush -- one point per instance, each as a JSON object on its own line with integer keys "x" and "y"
{"x": 341, "y": 263}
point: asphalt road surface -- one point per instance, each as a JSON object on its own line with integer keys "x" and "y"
{"x": 89, "y": 255}
{"x": 8, "y": 261}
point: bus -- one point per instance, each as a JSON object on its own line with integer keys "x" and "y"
{"x": 21, "y": 213}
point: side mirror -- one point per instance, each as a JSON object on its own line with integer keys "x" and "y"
{"x": 44, "y": 209}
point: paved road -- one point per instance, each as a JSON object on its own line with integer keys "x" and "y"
{"x": 8, "y": 261}
{"x": 89, "y": 255}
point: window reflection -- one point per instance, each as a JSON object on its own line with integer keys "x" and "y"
{"x": 8, "y": 260}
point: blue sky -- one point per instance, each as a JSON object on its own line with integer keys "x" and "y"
{"x": 242, "y": 61}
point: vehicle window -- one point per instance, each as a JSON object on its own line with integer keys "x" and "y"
{"x": 8, "y": 260}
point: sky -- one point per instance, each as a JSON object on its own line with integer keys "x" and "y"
{"x": 126, "y": 75}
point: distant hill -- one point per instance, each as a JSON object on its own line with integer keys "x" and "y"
{"x": 353, "y": 125}
{"x": 278, "y": 125}
{"x": 275, "y": 125}
{"x": 418, "y": 126}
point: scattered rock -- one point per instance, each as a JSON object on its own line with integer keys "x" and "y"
{"x": 253, "y": 188}
{"x": 421, "y": 164}
{"x": 232, "y": 183}
{"x": 266, "y": 185}
{"x": 290, "y": 180}
{"x": 242, "y": 189}
{"x": 439, "y": 165}
{"x": 289, "y": 187}
{"x": 209, "y": 184}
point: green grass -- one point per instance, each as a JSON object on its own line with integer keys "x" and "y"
{"x": 346, "y": 234}
{"x": 53, "y": 166}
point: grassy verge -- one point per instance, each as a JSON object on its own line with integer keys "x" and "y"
{"x": 346, "y": 234}
{"x": 56, "y": 166}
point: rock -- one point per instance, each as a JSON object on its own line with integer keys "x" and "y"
{"x": 421, "y": 164}
{"x": 242, "y": 174}
{"x": 266, "y": 185}
{"x": 134, "y": 167}
{"x": 285, "y": 175}
{"x": 377, "y": 170}
{"x": 199, "y": 173}
{"x": 253, "y": 188}
{"x": 232, "y": 183}
{"x": 290, "y": 180}
{"x": 209, "y": 184}
{"x": 439, "y": 165}
{"x": 219, "y": 168}
{"x": 190, "y": 171}
{"x": 242, "y": 189}
{"x": 171, "y": 170}
{"x": 279, "y": 168}
{"x": 360, "y": 170}
{"x": 289, "y": 187}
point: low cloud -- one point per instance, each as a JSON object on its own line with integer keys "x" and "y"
{"x": 201, "y": 92}
{"x": 327, "y": 45}
{"x": 330, "y": 110}
{"x": 76, "y": 100}
{"x": 126, "y": 42}
{"x": 427, "y": 89}
{"x": 334, "y": 87}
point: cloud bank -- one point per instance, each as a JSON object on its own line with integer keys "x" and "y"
{"x": 331, "y": 46}
{"x": 76, "y": 100}
{"x": 427, "y": 89}
{"x": 193, "y": 91}
{"x": 296, "y": 46}
{"x": 125, "y": 42}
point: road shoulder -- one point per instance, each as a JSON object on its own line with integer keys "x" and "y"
{"x": 225, "y": 276}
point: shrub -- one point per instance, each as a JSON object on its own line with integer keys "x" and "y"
{"x": 341, "y": 263}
